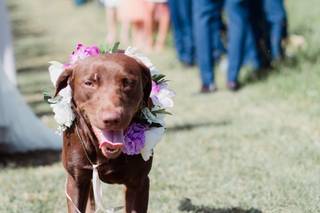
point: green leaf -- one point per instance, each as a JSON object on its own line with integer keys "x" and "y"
{"x": 161, "y": 111}
{"x": 159, "y": 78}
{"x": 46, "y": 96}
{"x": 49, "y": 99}
{"x": 155, "y": 125}
{"x": 115, "y": 47}
{"x": 104, "y": 48}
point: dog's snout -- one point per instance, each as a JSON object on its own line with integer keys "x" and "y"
{"x": 111, "y": 118}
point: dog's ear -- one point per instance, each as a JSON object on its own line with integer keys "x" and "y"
{"x": 147, "y": 83}
{"x": 63, "y": 80}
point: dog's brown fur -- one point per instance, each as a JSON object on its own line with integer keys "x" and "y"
{"x": 107, "y": 92}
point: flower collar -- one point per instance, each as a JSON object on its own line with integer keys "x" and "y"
{"x": 140, "y": 137}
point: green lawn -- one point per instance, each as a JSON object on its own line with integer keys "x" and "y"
{"x": 254, "y": 150}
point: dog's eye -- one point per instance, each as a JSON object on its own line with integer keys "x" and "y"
{"x": 89, "y": 83}
{"x": 127, "y": 83}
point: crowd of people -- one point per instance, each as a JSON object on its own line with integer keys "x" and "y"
{"x": 246, "y": 31}
{"x": 145, "y": 18}
{"x": 252, "y": 34}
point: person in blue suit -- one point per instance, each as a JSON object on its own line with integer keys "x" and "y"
{"x": 206, "y": 28}
{"x": 218, "y": 26}
{"x": 242, "y": 43}
{"x": 275, "y": 16}
{"x": 181, "y": 19}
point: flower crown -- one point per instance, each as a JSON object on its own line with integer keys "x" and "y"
{"x": 140, "y": 137}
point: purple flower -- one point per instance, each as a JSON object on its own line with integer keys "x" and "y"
{"x": 134, "y": 139}
{"x": 82, "y": 52}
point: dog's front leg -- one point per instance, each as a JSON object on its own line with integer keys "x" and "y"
{"x": 77, "y": 194}
{"x": 137, "y": 197}
{"x": 90, "y": 203}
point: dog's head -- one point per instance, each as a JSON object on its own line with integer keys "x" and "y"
{"x": 109, "y": 89}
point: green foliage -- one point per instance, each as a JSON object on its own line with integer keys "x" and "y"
{"x": 50, "y": 99}
{"x": 104, "y": 48}
{"x": 160, "y": 78}
{"x": 161, "y": 111}
{"x": 115, "y": 47}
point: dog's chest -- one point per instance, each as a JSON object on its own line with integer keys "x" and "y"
{"x": 124, "y": 169}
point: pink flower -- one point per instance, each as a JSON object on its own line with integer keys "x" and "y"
{"x": 155, "y": 88}
{"x": 82, "y": 52}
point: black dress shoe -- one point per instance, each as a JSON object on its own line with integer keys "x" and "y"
{"x": 187, "y": 64}
{"x": 208, "y": 89}
{"x": 233, "y": 86}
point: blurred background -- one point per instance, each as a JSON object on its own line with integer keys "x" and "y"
{"x": 244, "y": 135}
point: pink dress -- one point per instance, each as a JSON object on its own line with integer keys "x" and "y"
{"x": 133, "y": 10}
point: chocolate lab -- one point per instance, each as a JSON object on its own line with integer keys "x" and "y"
{"x": 107, "y": 93}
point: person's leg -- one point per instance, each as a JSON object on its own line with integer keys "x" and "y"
{"x": 79, "y": 2}
{"x": 181, "y": 22}
{"x": 187, "y": 30}
{"x": 202, "y": 17}
{"x": 148, "y": 25}
{"x": 138, "y": 32}
{"x": 125, "y": 23}
{"x": 125, "y": 30}
{"x": 111, "y": 15}
{"x": 276, "y": 17}
{"x": 176, "y": 25}
{"x": 217, "y": 25}
{"x": 251, "y": 52}
{"x": 164, "y": 22}
{"x": 255, "y": 39}
{"x": 237, "y": 15}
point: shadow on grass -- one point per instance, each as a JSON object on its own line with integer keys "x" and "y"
{"x": 35, "y": 103}
{"x": 44, "y": 113}
{"x": 34, "y": 69}
{"x": 263, "y": 74}
{"x": 21, "y": 29}
{"x": 20, "y": 25}
{"x": 190, "y": 126}
{"x": 31, "y": 90}
{"x": 186, "y": 205}
{"x": 309, "y": 55}
{"x": 31, "y": 158}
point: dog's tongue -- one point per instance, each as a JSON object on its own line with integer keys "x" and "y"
{"x": 113, "y": 138}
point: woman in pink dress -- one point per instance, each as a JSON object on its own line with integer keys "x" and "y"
{"x": 160, "y": 18}
{"x": 136, "y": 13}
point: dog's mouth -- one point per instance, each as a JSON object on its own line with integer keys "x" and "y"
{"x": 110, "y": 142}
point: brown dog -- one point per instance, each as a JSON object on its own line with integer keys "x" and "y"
{"x": 107, "y": 92}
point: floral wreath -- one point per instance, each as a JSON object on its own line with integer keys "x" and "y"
{"x": 140, "y": 137}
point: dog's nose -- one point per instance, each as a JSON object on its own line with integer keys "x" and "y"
{"x": 111, "y": 118}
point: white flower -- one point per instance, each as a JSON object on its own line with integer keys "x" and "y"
{"x": 163, "y": 99}
{"x": 152, "y": 138}
{"x": 133, "y": 53}
{"x": 63, "y": 113}
{"x": 62, "y": 109}
{"x": 55, "y": 70}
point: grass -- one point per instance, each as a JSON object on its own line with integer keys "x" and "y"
{"x": 253, "y": 151}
